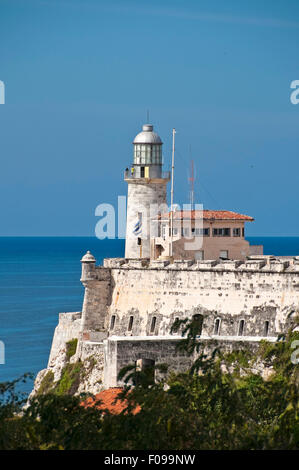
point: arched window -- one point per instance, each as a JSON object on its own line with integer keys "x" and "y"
{"x": 176, "y": 330}
{"x": 153, "y": 324}
{"x": 241, "y": 328}
{"x": 112, "y": 322}
{"x": 197, "y": 321}
{"x": 130, "y": 323}
{"x": 217, "y": 326}
{"x": 266, "y": 328}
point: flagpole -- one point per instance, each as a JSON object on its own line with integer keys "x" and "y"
{"x": 171, "y": 203}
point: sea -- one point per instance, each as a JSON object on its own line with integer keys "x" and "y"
{"x": 40, "y": 277}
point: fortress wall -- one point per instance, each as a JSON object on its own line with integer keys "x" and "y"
{"x": 247, "y": 291}
{"x": 68, "y": 328}
{"x": 120, "y": 352}
{"x": 255, "y": 291}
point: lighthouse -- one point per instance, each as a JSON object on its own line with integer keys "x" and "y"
{"x": 147, "y": 192}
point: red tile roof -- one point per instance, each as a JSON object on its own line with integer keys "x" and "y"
{"x": 109, "y": 402}
{"x": 208, "y": 215}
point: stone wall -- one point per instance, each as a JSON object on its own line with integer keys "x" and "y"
{"x": 120, "y": 352}
{"x": 256, "y": 291}
{"x": 130, "y": 305}
{"x": 68, "y": 328}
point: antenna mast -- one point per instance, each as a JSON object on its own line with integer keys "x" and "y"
{"x": 191, "y": 181}
{"x": 171, "y": 203}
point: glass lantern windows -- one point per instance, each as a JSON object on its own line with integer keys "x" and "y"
{"x": 146, "y": 154}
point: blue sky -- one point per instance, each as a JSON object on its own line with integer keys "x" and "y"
{"x": 81, "y": 75}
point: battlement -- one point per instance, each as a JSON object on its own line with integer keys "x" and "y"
{"x": 260, "y": 263}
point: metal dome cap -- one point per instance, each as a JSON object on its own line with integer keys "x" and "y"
{"x": 147, "y": 136}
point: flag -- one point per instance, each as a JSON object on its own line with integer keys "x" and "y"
{"x": 137, "y": 228}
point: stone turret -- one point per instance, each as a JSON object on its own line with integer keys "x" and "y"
{"x": 88, "y": 267}
{"x": 97, "y": 283}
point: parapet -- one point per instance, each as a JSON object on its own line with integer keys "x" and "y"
{"x": 258, "y": 263}
{"x": 69, "y": 316}
{"x": 113, "y": 262}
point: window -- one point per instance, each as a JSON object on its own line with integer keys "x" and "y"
{"x": 130, "y": 323}
{"x": 147, "y": 366}
{"x": 112, "y": 322}
{"x": 217, "y": 326}
{"x": 176, "y": 320}
{"x": 241, "y": 328}
{"x": 147, "y": 154}
{"x": 175, "y": 231}
{"x": 139, "y": 241}
{"x": 266, "y": 328}
{"x": 223, "y": 254}
{"x": 153, "y": 324}
{"x": 201, "y": 231}
{"x": 199, "y": 255}
{"x": 221, "y": 232}
{"x": 142, "y": 172}
{"x": 236, "y": 232}
{"x": 243, "y": 232}
{"x": 197, "y": 322}
{"x": 185, "y": 232}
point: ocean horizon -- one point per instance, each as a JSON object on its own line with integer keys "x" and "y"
{"x": 40, "y": 277}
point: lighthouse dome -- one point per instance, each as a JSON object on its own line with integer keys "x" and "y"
{"x": 147, "y": 136}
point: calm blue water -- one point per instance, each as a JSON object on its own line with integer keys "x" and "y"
{"x": 40, "y": 277}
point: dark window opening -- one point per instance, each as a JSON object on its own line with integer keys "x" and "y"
{"x": 130, "y": 323}
{"x": 138, "y": 241}
{"x": 142, "y": 172}
{"x": 112, "y": 322}
{"x": 175, "y": 325}
{"x": 147, "y": 366}
{"x": 266, "y": 328}
{"x": 200, "y": 231}
{"x": 241, "y": 328}
{"x": 153, "y": 324}
{"x": 197, "y": 322}
{"x": 221, "y": 232}
{"x": 217, "y": 326}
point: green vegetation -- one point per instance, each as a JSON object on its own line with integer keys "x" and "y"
{"x": 67, "y": 384}
{"x": 46, "y": 383}
{"x": 70, "y": 379}
{"x": 219, "y": 404}
{"x": 70, "y": 375}
{"x": 71, "y": 347}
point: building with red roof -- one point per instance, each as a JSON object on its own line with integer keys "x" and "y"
{"x": 202, "y": 235}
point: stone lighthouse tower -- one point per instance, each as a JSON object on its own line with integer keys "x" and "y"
{"x": 146, "y": 192}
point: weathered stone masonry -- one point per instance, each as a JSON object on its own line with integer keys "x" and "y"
{"x": 130, "y": 305}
